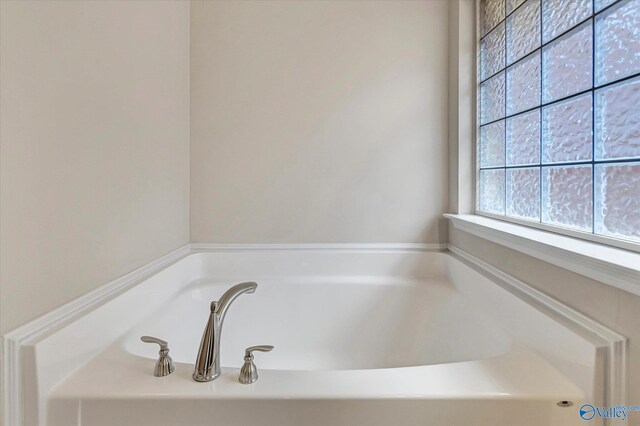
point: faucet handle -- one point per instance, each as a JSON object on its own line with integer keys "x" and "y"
{"x": 261, "y": 348}
{"x": 164, "y": 346}
{"x": 164, "y": 365}
{"x": 249, "y": 371}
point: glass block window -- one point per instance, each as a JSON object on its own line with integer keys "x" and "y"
{"x": 559, "y": 114}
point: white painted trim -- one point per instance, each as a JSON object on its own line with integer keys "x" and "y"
{"x": 13, "y": 341}
{"x": 609, "y": 265}
{"x": 463, "y": 96}
{"x": 615, "y": 344}
{"x": 622, "y": 243}
{"x": 375, "y": 247}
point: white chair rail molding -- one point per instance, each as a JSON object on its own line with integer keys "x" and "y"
{"x": 319, "y": 213}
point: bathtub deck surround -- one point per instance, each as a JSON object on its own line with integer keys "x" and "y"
{"x": 472, "y": 344}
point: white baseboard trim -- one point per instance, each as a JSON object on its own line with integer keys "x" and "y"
{"x": 615, "y": 386}
{"x": 13, "y": 341}
{"x": 375, "y": 247}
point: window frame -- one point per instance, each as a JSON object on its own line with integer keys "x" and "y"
{"x": 623, "y": 243}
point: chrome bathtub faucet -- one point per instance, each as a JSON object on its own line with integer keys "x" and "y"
{"x": 207, "y": 366}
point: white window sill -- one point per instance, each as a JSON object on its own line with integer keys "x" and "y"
{"x": 613, "y": 266}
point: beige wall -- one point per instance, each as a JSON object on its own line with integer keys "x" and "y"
{"x": 94, "y": 146}
{"x": 319, "y": 121}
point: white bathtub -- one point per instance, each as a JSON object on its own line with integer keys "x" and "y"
{"x": 329, "y": 324}
{"x": 361, "y": 338}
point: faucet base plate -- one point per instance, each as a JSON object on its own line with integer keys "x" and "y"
{"x": 205, "y": 378}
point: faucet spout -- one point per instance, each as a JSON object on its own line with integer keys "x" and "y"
{"x": 232, "y": 294}
{"x": 207, "y": 366}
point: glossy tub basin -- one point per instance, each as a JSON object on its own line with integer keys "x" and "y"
{"x": 352, "y": 349}
{"x": 324, "y": 325}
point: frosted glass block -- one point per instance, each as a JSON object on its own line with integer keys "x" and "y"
{"x": 566, "y": 64}
{"x": 560, "y": 15}
{"x": 566, "y": 196}
{"x": 523, "y": 84}
{"x": 491, "y": 13}
{"x": 512, "y": 4}
{"x": 492, "y": 99}
{"x": 492, "y": 52}
{"x": 618, "y": 42}
{"x": 523, "y": 31}
{"x": 492, "y": 145}
{"x": 566, "y": 130}
{"x": 601, "y": 4}
{"x": 523, "y": 139}
{"x": 492, "y": 191}
{"x": 523, "y": 193}
{"x": 617, "y": 123}
{"x": 617, "y": 198}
